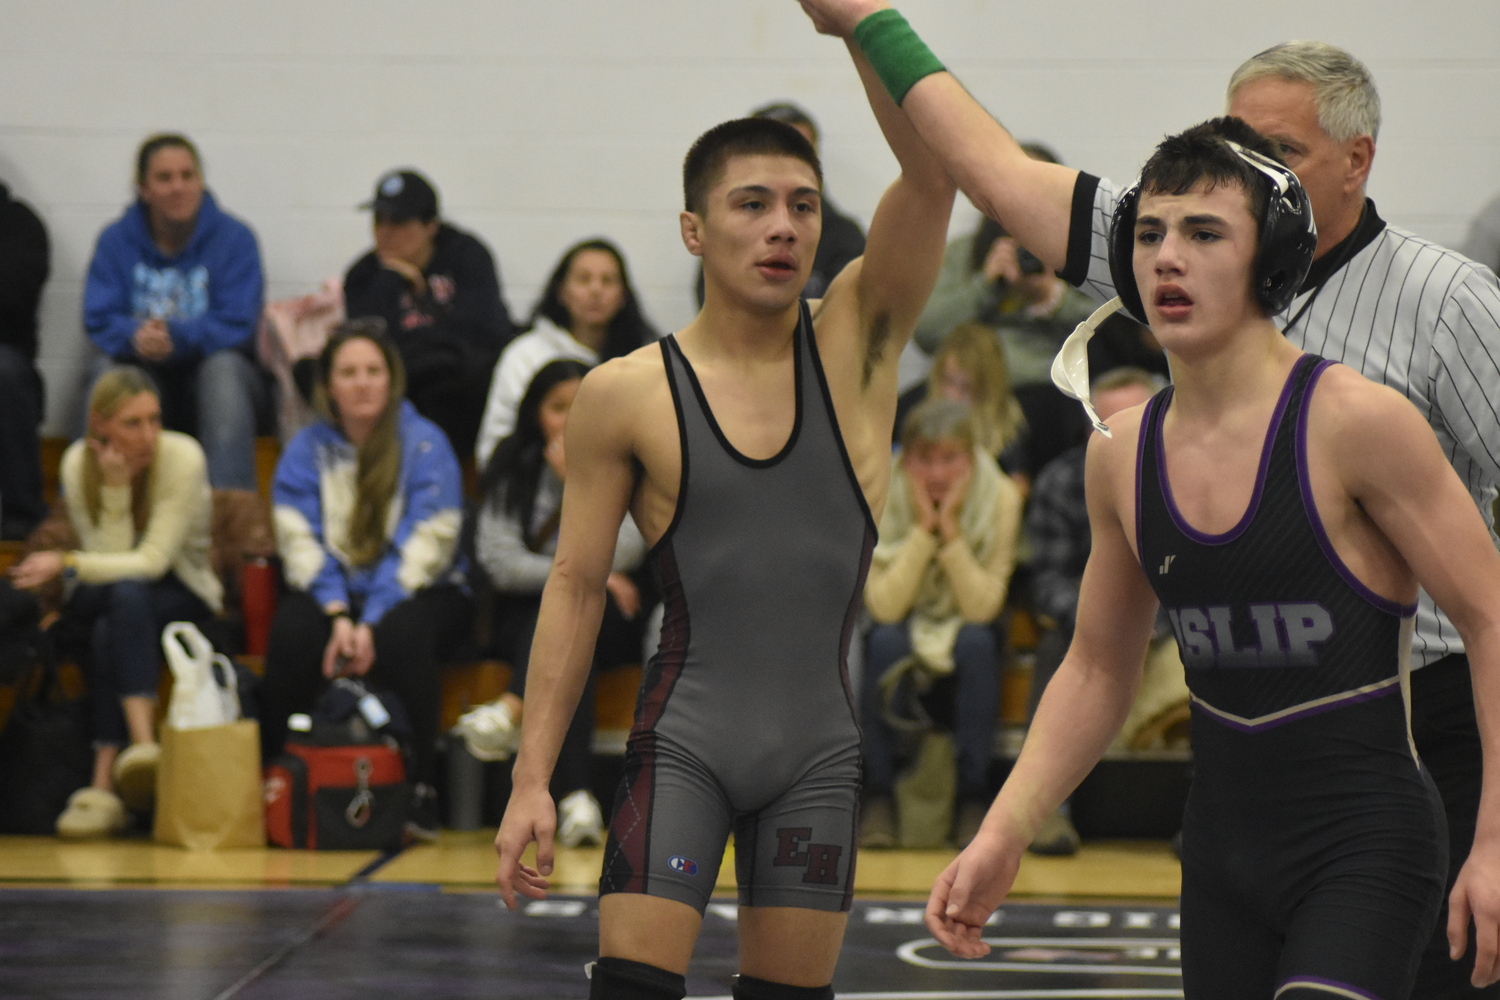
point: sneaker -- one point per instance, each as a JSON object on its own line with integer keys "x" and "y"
{"x": 422, "y": 822}
{"x": 135, "y": 775}
{"x": 971, "y": 813}
{"x": 579, "y": 821}
{"x": 489, "y": 732}
{"x": 91, "y": 812}
{"x": 1056, "y": 838}
{"x": 877, "y": 822}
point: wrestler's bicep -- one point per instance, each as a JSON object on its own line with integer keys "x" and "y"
{"x": 599, "y": 481}
{"x": 1116, "y": 605}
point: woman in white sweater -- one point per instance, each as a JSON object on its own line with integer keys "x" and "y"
{"x": 139, "y": 500}
{"x": 588, "y": 312}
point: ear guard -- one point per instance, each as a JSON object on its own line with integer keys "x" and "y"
{"x": 1070, "y": 368}
{"x": 1288, "y": 239}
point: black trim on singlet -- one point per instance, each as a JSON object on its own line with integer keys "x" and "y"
{"x": 682, "y": 446}
{"x": 713, "y": 422}
{"x": 1080, "y": 230}
{"x": 833, "y": 420}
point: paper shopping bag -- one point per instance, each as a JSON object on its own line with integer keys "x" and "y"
{"x": 208, "y": 787}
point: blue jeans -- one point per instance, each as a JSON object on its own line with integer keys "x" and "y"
{"x": 976, "y": 701}
{"x": 217, "y": 400}
{"x": 21, "y": 396}
{"x": 128, "y": 617}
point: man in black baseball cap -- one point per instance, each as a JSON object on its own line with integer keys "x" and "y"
{"x": 438, "y": 290}
{"x": 402, "y": 195}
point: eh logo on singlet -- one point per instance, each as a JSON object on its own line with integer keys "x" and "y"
{"x": 820, "y": 860}
{"x": 1286, "y": 635}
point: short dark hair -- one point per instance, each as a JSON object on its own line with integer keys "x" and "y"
{"x": 158, "y": 142}
{"x": 1202, "y": 153}
{"x": 706, "y": 160}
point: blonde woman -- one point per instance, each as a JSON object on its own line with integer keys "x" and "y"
{"x": 970, "y": 368}
{"x": 139, "y": 501}
{"x": 368, "y": 505}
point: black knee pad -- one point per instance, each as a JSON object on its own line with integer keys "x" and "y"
{"x": 750, "y": 988}
{"x": 622, "y": 979}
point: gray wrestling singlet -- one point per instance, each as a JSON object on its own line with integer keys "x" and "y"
{"x": 745, "y": 719}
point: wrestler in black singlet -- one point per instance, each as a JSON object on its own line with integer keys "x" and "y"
{"x": 1313, "y": 842}
{"x": 745, "y": 720}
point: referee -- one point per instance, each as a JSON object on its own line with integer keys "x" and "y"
{"x": 1401, "y": 310}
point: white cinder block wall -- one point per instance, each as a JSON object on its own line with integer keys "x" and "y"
{"x": 545, "y": 122}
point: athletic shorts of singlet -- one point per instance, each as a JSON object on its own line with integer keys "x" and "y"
{"x": 745, "y": 722}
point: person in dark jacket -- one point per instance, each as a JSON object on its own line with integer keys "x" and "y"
{"x": 24, "y": 266}
{"x": 175, "y": 287}
{"x": 438, "y": 290}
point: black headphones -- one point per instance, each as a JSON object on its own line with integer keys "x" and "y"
{"x": 1288, "y": 239}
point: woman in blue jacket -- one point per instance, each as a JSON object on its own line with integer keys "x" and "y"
{"x": 175, "y": 287}
{"x": 368, "y": 504}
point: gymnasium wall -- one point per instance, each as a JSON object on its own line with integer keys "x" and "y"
{"x": 545, "y": 122}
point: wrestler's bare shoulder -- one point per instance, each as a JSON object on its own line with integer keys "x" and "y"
{"x": 1111, "y": 465}
{"x": 629, "y": 388}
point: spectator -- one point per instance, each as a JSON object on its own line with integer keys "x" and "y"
{"x": 937, "y": 581}
{"x": 1483, "y": 242}
{"x": 842, "y": 239}
{"x": 175, "y": 286}
{"x": 589, "y": 312}
{"x": 139, "y": 500}
{"x": 367, "y": 508}
{"x": 24, "y": 265}
{"x": 989, "y": 278}
{"x": 438, "y": 291}
{"x": 516, "y": 540}
{"x": 1058, "y": 537}
{"x": 970, "y": 368}
{"x": 974, "y": 279}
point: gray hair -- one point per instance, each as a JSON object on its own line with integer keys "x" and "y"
{"x": 1343, "y": 89}
{"x": 935, "y": 420}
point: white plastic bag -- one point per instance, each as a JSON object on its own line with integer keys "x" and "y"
{"x": 202, "y": 696}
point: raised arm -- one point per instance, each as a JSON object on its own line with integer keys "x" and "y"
{"x": 595, "y": 499}
{"x": 1083, "y": 708}
{"x": 904, "y": 248}
{"x": 1031, "y": 199}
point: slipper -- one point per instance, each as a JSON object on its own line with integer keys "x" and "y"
{"x": 91, "y": 812}
{"x": 135, "y": 775}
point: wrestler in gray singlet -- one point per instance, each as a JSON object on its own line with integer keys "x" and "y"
{"x": 745, "y": 719}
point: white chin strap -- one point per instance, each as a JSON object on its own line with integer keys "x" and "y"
{"x": 1070, "y": 369}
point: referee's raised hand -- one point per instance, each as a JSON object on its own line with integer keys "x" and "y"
{"x": 840, "y": 17}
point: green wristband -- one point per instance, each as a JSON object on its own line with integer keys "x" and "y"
{"x": 895, "y": 52}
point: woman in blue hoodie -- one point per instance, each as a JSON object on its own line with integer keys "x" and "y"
{"x": 175, "y": 286}
{"x": 368, "y": 504}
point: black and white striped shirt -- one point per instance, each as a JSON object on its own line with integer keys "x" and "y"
{"x": 1420, "y": 318}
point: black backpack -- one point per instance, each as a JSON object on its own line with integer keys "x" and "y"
{"x": 45, "y": 752}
